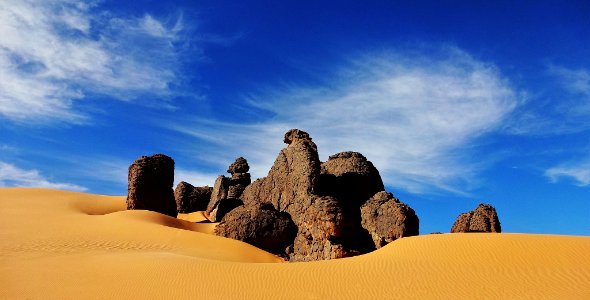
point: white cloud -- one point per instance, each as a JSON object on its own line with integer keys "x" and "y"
{"x": 579, "y": 172}
{"x": 53, "y": 53}
{"x": 414, "y": 117}
{"x": 573, "y": 80}
{"x": 13, "y": 176}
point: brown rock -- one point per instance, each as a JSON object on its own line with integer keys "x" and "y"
{"x": 238, "y": 183}
{"x": 190, "y": 199}
{"x": 240, "y": 165}
{"x": 292, "y": 178}
{"x": 150, "y": 184}
{"x": 263, "y": 227}
{"x": 218, "y": 194}
{"x": 290, "y": 187}
{"x": 227, "y": 191}
{"x": 351, "y": 178}
{"x": 321, "y": 228}
{"x": 483, "y": 219}
{"x": 386, "y": 218}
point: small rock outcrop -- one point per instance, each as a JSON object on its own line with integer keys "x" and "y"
{"x": 190, "y": 198}
{"x": 240, "y": 178}
{"x": 263, "y": 227}
{"x": 482, "y": 219}
{"x": 386, "y": 219}
{"x": 150, "y": 183}
{"x": 292, "y": 178}
{"x": 227, "y": 191}
{"x": 350, "y": 177}
{"x": 321, "y": 228}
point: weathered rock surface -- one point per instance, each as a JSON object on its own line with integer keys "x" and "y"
{"x": 240, "y": 165}
{"x": 292, "y": 178}
{"x": 263, "y": 227}
{"x": 321, "y": 228}
{"x": 386, "y": 219}
{"x": 150, "y": 183}
{"x": 238, "y": 183}
{"x": 218, "y": 195}
{"x": 290, "y": 187}
{"x": 190, "y": 198}
{"x": 351, "y": 178}
{"x": 323, "y": 200}
{"x": 227, "y": 191}
{"x": 482, "y": 219}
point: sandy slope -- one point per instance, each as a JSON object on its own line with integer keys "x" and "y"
{"x": 60, "y": 245}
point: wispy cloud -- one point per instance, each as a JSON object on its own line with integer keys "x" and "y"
{"x": 562, "y": 106}
{"x": 573, "y": 80}
{"x": 578, "y": 171}
{"x": 415, "y": 116}
{"x": 13, "y": 176}
{"x": 54, "y": 53}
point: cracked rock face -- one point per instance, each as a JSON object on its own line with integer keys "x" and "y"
{"x": 290, "y": 187}
{"x": 190, "y": 198}
{"x": 150, "y": 184}
{"x": 226, "y": 192}
{"x": 263, "y": 227}
{"x": 386, "y": 219}
{"x": 292, "y": 178}
{"x": 482, "y": 219}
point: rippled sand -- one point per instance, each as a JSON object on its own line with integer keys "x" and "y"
{"x": 60, "y": 245}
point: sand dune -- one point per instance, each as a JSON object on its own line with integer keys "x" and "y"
{"x": 59, "y": 245}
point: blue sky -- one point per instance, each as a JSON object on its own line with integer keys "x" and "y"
{"x": 455, "y": 102}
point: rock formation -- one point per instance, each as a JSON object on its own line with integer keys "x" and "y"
{"x": 482, "y": 219}
{"x": 303, "y": 209}
{"x": 321, "y": 228}
{"x": 190, "y": 199}
{"x": 263, "y": 227}
{"x": 386, "y": 218}
{"x": 352, "y": 179}
{"x": 292, "y": 178}
{"x": 227, "y": 191}
{"x": 290, "y": 187}
{"x": 323, "y": 200}
{"x": 150, "y": 184}
{"x": 240, "y": 178}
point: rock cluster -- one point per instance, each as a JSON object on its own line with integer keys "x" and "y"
{"x": 227, "y": 190}
{"x": 150, "y": 184}
{"x": 302, "y": 210}
{"x": 322, "y": 199}
{"x": 190, "y": 198}
{"x": 482, "y": 219}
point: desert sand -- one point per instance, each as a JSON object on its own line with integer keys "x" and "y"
{"x": 61, "y": 245}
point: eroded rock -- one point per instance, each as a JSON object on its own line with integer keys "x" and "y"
{"x": 263, "y": 227}
{"x": 190, "y": 198}
{"x": 351, "y": 178}
{"x": 150, "y": 182}
{"x": 482, "y": 219}
{"x": 227, "y": 191}
{"x": 321, "y": 228}
{"x": 386, "y": 219}
{"x": 292, "y": 178}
